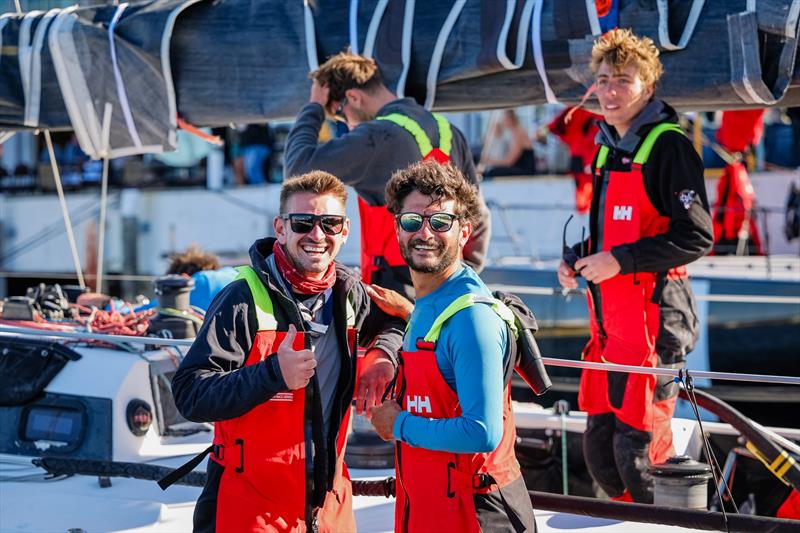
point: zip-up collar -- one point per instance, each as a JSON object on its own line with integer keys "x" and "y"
{"x": 654, "y": 112}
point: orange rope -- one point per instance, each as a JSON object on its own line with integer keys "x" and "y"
{"x": 197, "y": 132}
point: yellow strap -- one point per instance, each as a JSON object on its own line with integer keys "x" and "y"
{"x": 779, "y": 466}
{"x": 647, "y": 146}
{"x": 643, "y": 153}
{"x": 422, "y": 139}
{"x": 468, "y": 300}
{"x": 264, "y": 310}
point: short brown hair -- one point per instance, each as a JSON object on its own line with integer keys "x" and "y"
{"x": 440, "y": 182}
{"x": 347, "y": 70}
{"x": 194, "y": 259}
{"x": 621, "y": 48}
{"x": 317, "y": 182}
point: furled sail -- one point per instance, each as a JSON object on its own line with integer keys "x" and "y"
{"x": 121, "y": 75}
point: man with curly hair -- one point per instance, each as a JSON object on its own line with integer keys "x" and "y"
{"x": 386, "y": 134}
{"x": 649, "y": 218}
{"x": 452, "y": 416}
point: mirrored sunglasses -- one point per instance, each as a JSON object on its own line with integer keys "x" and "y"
{"x": 439, "y": 222}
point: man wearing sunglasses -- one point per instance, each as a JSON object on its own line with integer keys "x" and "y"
{"x": 648, "y": 219}
{"x": 386, "y": 134}
{"x": 451, "y": 415}
{"x": 274, "y": 366}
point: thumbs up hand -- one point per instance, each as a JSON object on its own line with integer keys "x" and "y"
{"x": 297, "y": 366}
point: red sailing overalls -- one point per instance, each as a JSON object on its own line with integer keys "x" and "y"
{"x": 263, "y": 486}
{"x": 630, "y": 319}
{"x": 378, "y": 236}
{"x": 435, "y": 488}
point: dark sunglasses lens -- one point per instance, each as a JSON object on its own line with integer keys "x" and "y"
{"x": 332, "y": 225}
{"x": 441, "y": 221}
{"x": 301, "y": 223}
{"x": 411, "y": 222}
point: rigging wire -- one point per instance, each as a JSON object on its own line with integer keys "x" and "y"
{"x": 62, "y": 200}
{"x": 685, "y": 379}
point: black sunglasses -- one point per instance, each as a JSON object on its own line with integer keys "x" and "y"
{"x": 567, "y": 253}
{"x": 304, "y": 222}
{"x": 439, "y": 222}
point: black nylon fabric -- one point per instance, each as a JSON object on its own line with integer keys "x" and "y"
{"x": 247, "y": 62}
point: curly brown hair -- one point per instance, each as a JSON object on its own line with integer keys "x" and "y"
{"x": 621, "y": 48}
{"x": 193, "y": 259}
{"x": 347, "y": 70}
{"x": 439, "y": 182}
{"x": 317, "y": 182}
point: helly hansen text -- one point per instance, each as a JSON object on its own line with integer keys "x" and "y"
{"x": 418, "y": 404}
{"x": 623, "y": 212}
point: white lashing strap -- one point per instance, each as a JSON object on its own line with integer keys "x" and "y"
{"x": 122, "y": 94}
{"x": 792, "y": 20}
{"x": 374, "y": 24}
{"x": 688, "y": 29}
{"x": 438, "y": 52}
{"x": 522, "y": 35}
{"x": 167, "y": 70}
{"x": 353, "y": 24}
{"x": 594, "y": 20}
{"x": 405, "y": 50}
{"x": 538, "y": 56}
{"x": 311, "y": 37}
{"x": 33, "y": 97}
{"x": 25, "y": 53}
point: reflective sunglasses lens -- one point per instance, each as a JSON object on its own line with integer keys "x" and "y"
{"x": 331, "y": 224}
{"x": 301, "y": 223}
{"x": 411, "y": 222}
{"x": 441, "y": 222}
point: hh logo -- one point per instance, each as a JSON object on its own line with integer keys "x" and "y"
{"x": 623, "y": 212}
{"x": 418, "y": 404}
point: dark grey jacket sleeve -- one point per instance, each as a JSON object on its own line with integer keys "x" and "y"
{"x": 377, "y": 329}
{"x": 212, "y": 382}
{"x": 673, "y": 178}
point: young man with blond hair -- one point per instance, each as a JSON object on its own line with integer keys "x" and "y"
{"x": 274, "y": 366}
{"x": 386, "y": 134}
{"x": 649, "y": 218}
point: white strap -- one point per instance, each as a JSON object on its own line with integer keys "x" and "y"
{"x": 438, "y": 52}
{"x": 25, "y": 53}
{"x": 311, "y": 37}
{"x": 374, "y": 24}
{"x": 594, "y": 20}
{"x": 122, "y": 94}
{"x": 538, "y": 56}
{"x": 522, "y": 35}
{"x": 33, "y": 97}
{"x": 353, "y": 23}
{"x": 688, "y": 29}
{"x": 405, "y": 50}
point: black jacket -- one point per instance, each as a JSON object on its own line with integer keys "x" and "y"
{"x": 212, "y": 384}
{"x": 674, "y": 183}
{"x": 366, "y": 157}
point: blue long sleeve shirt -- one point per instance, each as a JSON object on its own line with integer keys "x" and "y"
{"x": 470, "y": 354}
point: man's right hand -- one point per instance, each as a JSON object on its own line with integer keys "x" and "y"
{"x": 297, "y": 366}
{"x": 319, "y": 94}
{"x": 566, "y": 276}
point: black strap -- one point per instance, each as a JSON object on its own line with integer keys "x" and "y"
{"x": 184, "y": 469}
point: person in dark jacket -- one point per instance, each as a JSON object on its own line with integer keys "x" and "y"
{"x": 386, "y": 134}
{"x": 649, "y": 218}
{"x": 275, "y": 366}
